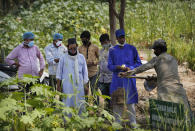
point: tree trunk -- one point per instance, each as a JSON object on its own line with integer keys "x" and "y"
{"x": 112, "y": 19}
{"x": 122, "y": 14}
{"x": 5, "y": 6}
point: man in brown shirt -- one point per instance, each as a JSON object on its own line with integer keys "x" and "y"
{"x": 91, "y": 53}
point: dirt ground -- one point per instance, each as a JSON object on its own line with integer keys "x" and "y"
{"x": 187, "y": 78}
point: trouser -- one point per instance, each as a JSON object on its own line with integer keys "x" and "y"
{"x": 120, "y": 112}
{"x": 53, "y": 81}
{"x": 121, "y": 109}
{"x": 105, "y": 90}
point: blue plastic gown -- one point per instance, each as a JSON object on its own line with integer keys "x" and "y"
{"x": 127, "y": 55}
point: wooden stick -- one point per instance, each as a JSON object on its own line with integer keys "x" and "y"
{"x": 137, "y": 77}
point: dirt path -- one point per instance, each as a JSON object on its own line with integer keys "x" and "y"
{"x": 187, "y": 78}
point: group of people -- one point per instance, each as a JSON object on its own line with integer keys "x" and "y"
{"x": 73, "y": 69}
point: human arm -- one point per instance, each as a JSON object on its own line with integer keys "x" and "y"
{"x": 42, "y": 62}
{"x": 139, "y": 69}
{"x": 85, "y": 72}
{"x": 146, "y": 66}
{"x": 85, "y": 76}
{"x": 97, "y": 56}
{"x": 10, "y": 59}
{"x": 49, "y": 56}
{"x": 103, "y": 61}
{"x": 59, "y": 85}
{"x": 59, "y": 73}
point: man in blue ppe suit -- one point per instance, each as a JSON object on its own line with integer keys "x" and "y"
{"x": 123, "y": 57}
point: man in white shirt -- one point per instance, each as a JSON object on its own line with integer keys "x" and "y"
{"x": 53, "y": 52}
{"x": 72, "y": 76}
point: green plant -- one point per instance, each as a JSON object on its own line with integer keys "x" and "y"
{"x": 191, "y": 57}
{"x": 144, "y": 22}
{"x": 39, "y": 109}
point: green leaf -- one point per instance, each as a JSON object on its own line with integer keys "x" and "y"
{"x": 67, "y": 110}
{"x": 41, "y": 89}
{"x": 49, "y": 110}
{"x": 88, "y": 122}
{"x": 36, "y": 129}
{"x": 17, "y": 95}
{"x": 26, "y": 119}
{"x": 37, "y": 113}
{"x": 59, "y": 129}
{"x": 116, "y": 126}
{"x": 36, "y": 102}
{"x": 107, "y": 115}
{"x": 27, "y": 80}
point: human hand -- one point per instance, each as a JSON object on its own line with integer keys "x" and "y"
{"x": 126, "y": 74}
{"x": 151, "y": 78}
{"x": 56, "y": 60}
{"x": 122, "y": 74}
{"x": 123, "y": 68}
{"x": 59, "y": 85}
{"x": 59, "y": 89}
{"x": 86, "y": 89}
{"x": 16, "y": 64}
{"x": 41, "y": 72}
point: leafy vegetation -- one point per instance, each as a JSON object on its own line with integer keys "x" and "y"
{"x": 40, "y": 109}
{"x": 44, "y": 19}
{"x": 173, "y": 21}
{"x": 145, "y": 21}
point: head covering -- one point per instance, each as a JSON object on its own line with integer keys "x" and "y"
{"x": 72, "y": 41}
{"x": 120, "y": 32}
{"x": 28, "y": 35}
{"x": 159, "y": 43}
{"x": 57, "y": 36}
{"x": 85, "y": 34}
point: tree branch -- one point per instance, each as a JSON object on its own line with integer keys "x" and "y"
{"x": 113, "y": 8}
{"x": 122, "y": 13}
{"x": 122, "y": 10}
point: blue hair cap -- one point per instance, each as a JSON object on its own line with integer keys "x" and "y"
{"x": 120, "y": 32}
{"x": 57, "y": 36}
{"x": 28, "y": 35}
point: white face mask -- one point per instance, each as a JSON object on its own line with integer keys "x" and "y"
{"x": 59, "y": 43}
{"x": 106, "y": 46}
{"x": 121, "y": 44}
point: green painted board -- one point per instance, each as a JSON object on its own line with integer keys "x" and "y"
{"x": 166, "y": 115}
